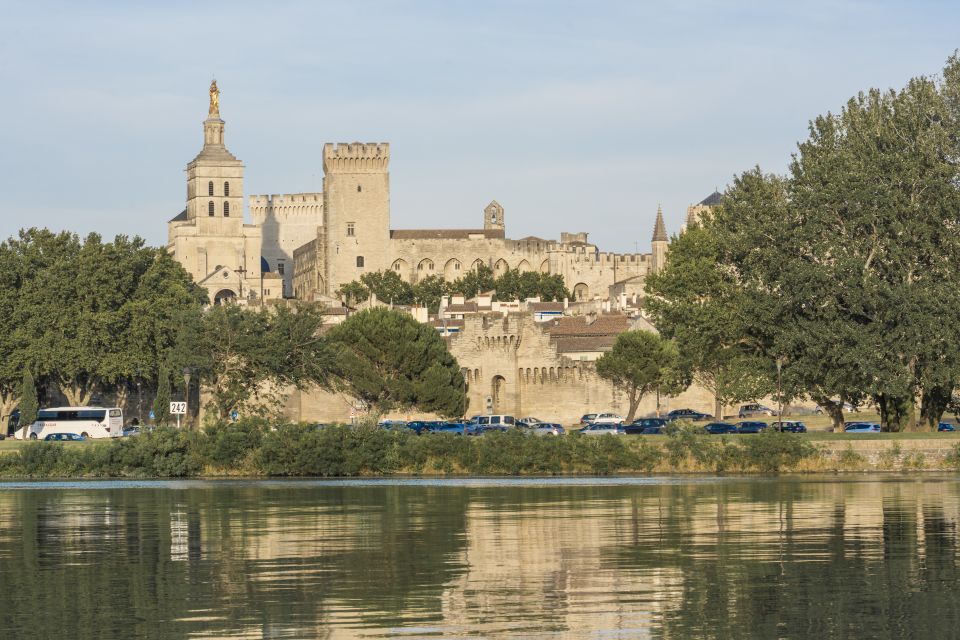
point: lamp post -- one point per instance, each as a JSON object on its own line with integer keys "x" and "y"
{"x": 780, "y": 391}
{"x": 186, "y": 394}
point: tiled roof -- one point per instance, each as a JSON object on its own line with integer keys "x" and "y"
{"x": 610, "y": 325}
{"x": 444, "y": 234}
{"x": 180, "y": 217}
{"x": 454, "y": 324}
{"x": 546, "y": 306}
{"x": 572, "y": 344}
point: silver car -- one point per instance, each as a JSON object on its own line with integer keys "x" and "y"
{"x": 546, "y": 429}
{"x": 602, "y": 429}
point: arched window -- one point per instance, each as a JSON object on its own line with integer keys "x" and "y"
{"x": 226, "y": 209}
{"x": 210, "y": 188}
{"x": 210, "y": 207}
{"x": 360, "y": 261}
{"x": 226, "y": 188}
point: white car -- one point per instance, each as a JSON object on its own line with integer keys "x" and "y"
{"x": 602, "y": 429}
{"x": 608, "y": 418}
{"x": 529, "y": 421}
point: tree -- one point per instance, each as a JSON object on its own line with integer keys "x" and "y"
{"x": 474, "y": 282}
{"x": 29, "y": 404}
{"x": 428, "y": 292}
{"x": 247, "y": 358}
{"x": 641, "y": 362}
{"x": 516, "y": 285}
{"x": 161, "y": 403}
{"x": 389, "y": 360}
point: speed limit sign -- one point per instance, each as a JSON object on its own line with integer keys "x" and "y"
{"x": 178, "y": 408}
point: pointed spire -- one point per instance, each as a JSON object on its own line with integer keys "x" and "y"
{"x": 660, "y": 229}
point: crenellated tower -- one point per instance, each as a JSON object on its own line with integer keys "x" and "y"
{"x": 356, "y": 212}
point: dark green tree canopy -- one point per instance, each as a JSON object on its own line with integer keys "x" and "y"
{"x": 642, "y": 362}
{"x": 389, "y": 360}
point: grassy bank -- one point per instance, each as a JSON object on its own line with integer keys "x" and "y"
{"x": 249, "y": 449}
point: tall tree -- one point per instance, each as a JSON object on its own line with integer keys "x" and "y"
{"x": 389, "y": 360}
{"x": 29, "y": 405}
{"x": 161, "y": 402}
{"x": 642, "y": 362}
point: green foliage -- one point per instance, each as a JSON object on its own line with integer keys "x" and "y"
{"x": 641, "y": 362}
{"x": 771, "y": 451}
{"x": 28, "y": 400}
{"x": 516, "y": 285}
{"x": 474, "y": 282}
{"x": 161, "y": 403}
{"x": 428, "y": 292}
{"x": 766, "y": 452}
{"x": 850, "y": 459}
{"x": 228, "y": 444}
{"x": 389, "y": 360}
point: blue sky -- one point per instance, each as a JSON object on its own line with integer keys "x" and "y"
{"x": 575, "y": 116}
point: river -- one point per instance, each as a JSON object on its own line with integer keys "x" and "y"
{"x": 796, "y": 557}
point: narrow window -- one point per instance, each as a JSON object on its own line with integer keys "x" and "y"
{"x": 226, "y": 188}
{"x": 350, "y": 233}
{"x": 210, "y": 188}
{"x": 226, "y": 209}
{"x": 210, "y": 208}
{"x": 280, "y": 268}
{"x": 359, "y": 188}
{"x": 360, "y": 261}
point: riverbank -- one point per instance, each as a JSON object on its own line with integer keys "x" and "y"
{"x": 249, "y": 449}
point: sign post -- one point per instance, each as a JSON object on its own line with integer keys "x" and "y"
{"x": 178, "y": 409}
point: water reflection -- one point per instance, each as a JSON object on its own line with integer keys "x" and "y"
{"x": 789, "y": 558}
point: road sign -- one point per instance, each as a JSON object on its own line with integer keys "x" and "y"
{"x": 152, "y": 415}
{"x": 178, "y": 408}
{"x": 234, "y": 415}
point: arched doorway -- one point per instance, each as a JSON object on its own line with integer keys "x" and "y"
{"x": 581, "y": 292}
{"x": 498, "y": 393}
{"x": 224, "y": 296}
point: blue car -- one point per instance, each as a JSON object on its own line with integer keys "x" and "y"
{"x": 946, "y": 426}
{"x": 719, "y": 428}
{"x": 791, "y": 426}
{"x": 641, "y": 425}
{"x": 458, "y": 428}
{"x": 862, "y": 427}
{"x": 64, "y": 437}
{"x": 751, "y": 426}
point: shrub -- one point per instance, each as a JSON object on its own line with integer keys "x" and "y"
{"x": 772, "y": 451}
{"x": 850, "y": 459}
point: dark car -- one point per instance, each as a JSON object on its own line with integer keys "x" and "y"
{"x": 64, "y": 437}
{"x": 790, "y": 426}
{"x": 946, "y": 426}
{"x": 459, "y": 428}
{"x": 751, "y": 426}
{"x": 718, "y": 428}
{"x": 638, "y": 426}
{"x": 653, "y": 431}
{"x": 688, "y": 414}
{"x": 419, "y": 426}
{"x": 587, "y": 418}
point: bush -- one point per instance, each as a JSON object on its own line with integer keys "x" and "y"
{"x": 229, "y": 445}
{"x": 771, "y": 451}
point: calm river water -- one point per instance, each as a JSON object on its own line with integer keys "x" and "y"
{"x": 585, "y": 558}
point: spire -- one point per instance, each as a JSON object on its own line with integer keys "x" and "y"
{"x": 213, "y": 128}
{"x": 660, "y": 229}
{"x": 214, "y": 100}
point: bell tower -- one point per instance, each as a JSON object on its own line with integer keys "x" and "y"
{"x": 493, "y": 216}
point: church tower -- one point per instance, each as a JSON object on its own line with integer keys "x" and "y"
{"x": 209, "y": 237}
{"x": 659, "y": 242}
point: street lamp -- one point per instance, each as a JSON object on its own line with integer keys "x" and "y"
{"x": 186, "y": 393}
{"x": 780, "y": 391}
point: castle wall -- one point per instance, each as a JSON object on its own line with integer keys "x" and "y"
{"x": 286, "y": 220}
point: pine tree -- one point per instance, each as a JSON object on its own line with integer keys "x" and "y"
{"x": 161, "y": 403}
{"x": 28, "y": 400}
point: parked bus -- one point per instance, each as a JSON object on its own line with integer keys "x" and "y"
{"x": 89, "y": 422}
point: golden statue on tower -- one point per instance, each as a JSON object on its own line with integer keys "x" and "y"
{"x": 214, "y": 100}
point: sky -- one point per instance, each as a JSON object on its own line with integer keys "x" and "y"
{"x": 575, "y": 116}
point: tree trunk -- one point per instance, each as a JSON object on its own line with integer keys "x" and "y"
{"x": 833, "y": 409}
{"x": 635, "y": 398}
{"x": 896, "y": 413}
{"x": 123, "y": 394}
{"x": 76, "y": 394}
{"x": 8, "y": 402}
{"x": 717, "y": 407}
{"x": 933, "y": 403}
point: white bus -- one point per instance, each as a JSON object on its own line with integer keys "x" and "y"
{"x": 89, "y": 422}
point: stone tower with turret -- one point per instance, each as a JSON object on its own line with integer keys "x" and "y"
{"x": 355, "y": 238}
{"x": 659, "y": 243}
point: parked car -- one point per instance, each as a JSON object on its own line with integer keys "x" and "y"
{"x": 752, "y": 410}
{"x": 490, "y": 428}
{"x": 391, "y": 424}
{"x": 529, "y": 421}
{"x": 419, "y": 426}
{"x": 587, "y": 418}
{"x": 946, "y": 426}
{"x": 602, "y": 428}
{"x": 130, "y": 431}
{"x": 846, "y": 408}
{"x": 64, "y": 437}
{"x": 493, "y": 420}
{"x": 751, "y": 426}
{"x": 862, "y": 427}
{"x": 688, "y": 414}
{"x": 638, "y": 426}
{"x": 546, "y": 429}
{"x": 653, "y": 431}
{"x": 458, "y": 428}
{"x": 719, "y": 428}
{"x": 790, "y": 426}
{"x": 608, "y": 418}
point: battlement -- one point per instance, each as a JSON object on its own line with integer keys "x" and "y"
{"x": 285, "y": 199}
{"x": 356, "y": 157}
